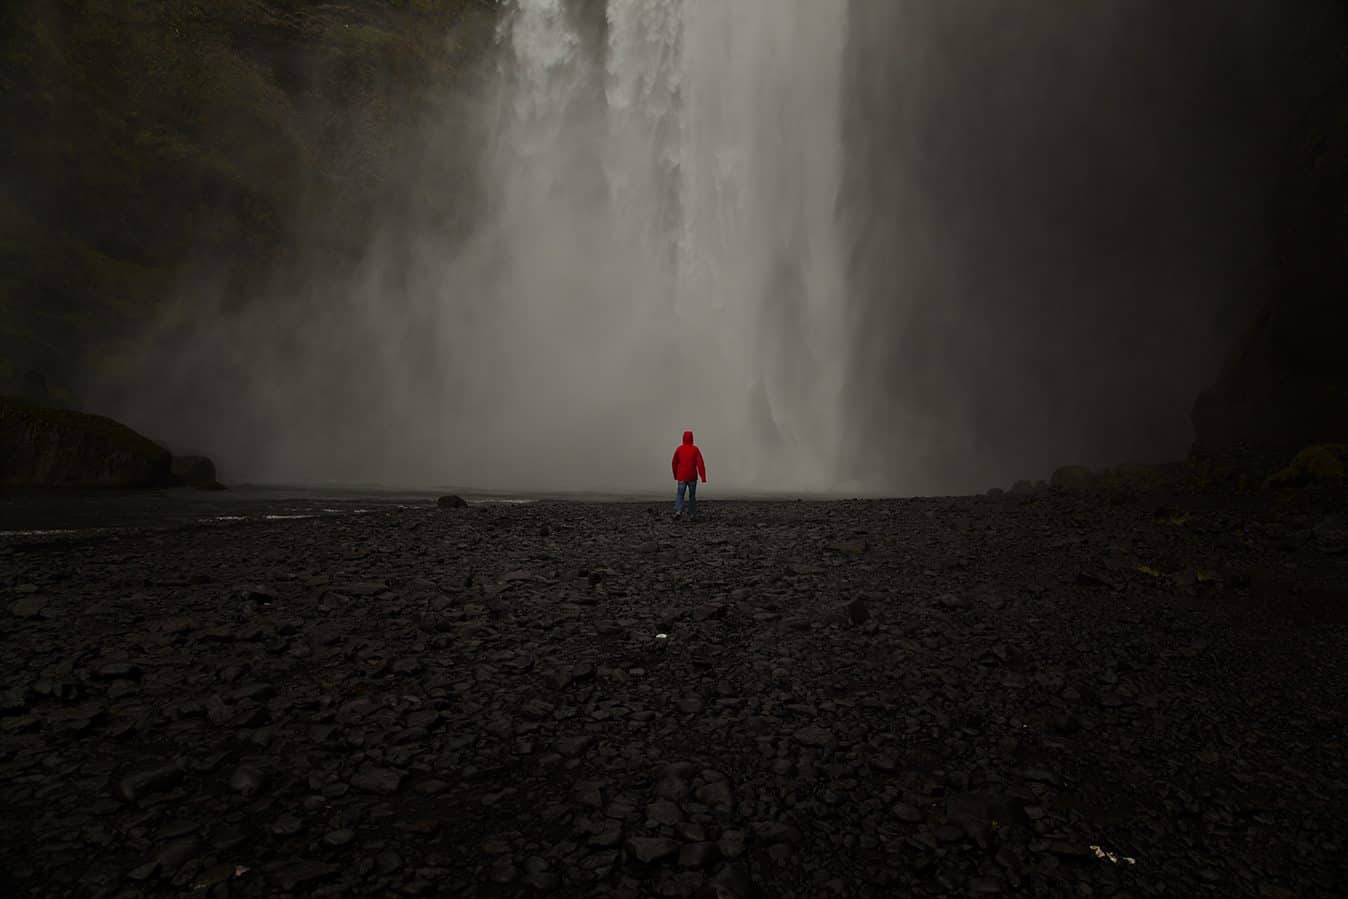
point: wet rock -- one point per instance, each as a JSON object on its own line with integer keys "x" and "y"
{"x": 732, "y": 843}
{"x": 769, "y": 833}
{"x": 699, "y": 855}
{"x": 1092, "y": 579}
{"x": 574, "y": 746}
{"x": 986, "y": 886}
{"x": 339, "y": 837}
{"x": 118, "y": 671}
{"x": 139, "y": 784}
{"x": 247, "y": 780}
{"x": 950, "y": 833}
{"x": 711, "y": 612}
{"x": 381, "y": 781}
{"x": 664, "y": 812}
{"x": 649, "y": 850}
{"x": 690, "y": 831}
{"x": 256, "y": 593}
{"x": 717, "y": 795}
{"x": 301, "y": 874}
{"x": 732, "y": 881}
{"x": 905, "y": 812}
{"x": 287, "y": 825}
{"x": 610, "y": 835}
{"x": 143, "y": 872}
{"x": 814, "y": 735}
{"x": 13, "y": 701}
{"x": 29, "y": 606}
{"x": 1041, "y": 775}
{"x": 174, "y": 855}
{"x": 542, "y": 881}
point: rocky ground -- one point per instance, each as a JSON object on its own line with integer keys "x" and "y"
{"x": 1047, "y": 694}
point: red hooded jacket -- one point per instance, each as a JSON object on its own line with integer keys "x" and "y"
{"x": 688, "y": 464}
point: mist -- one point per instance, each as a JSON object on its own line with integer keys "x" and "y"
{"x": 863, "y": 248}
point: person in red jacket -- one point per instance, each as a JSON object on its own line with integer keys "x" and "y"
{"x": 688, "y": 467}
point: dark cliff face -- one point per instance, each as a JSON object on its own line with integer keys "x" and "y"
{"x": 1060, "y": 217}
{"x": 146, "y": 143}
{"x": 1285, "y": 383}
{"x": 59, "y": 448}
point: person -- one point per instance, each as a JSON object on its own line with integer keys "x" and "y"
{"x": 688, "y": 467}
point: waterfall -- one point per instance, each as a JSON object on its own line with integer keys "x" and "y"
{"x": 663, "y": 237}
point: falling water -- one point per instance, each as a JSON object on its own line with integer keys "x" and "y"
{"x": 643, "y": 220}
{"x": 663, "y": 244}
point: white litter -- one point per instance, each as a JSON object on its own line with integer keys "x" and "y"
{"x": 661, "y": 636}
{"x": 1111, "y": 856}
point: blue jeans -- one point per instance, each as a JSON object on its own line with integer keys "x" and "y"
{"x": 691, "y": 487}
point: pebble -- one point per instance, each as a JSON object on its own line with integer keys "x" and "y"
{"x": 801, "y": 716}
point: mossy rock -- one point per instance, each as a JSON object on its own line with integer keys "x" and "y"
{"x": 42, "y": 447}
{"x": 1322, "y": 465}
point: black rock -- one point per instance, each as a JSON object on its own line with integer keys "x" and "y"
{"x": 373, "y": 779}
{"x": 30, "y": 606}
{"x": 451, "y": 502}
{"x": 247, "y": 780}
{"x": 294, "y": 875}
{"x": 139, "y": 784}
{"x": 14, "y": 700}
{"x": 649, "y": 850}
{"x": 699, "y": 855}
{"x": 339, "y": 837}
{"x": 716, "y": 795}
{"x": 177, "y": 853}
{"x": 769, "y": 833}
{"x": 194, "y": 471}
{"x": 814, "y": 735}
{"x": 287, "y": 825}
{"x": 118, "y": 671}
{"x": 905, "y": 812}
{"x": 574, "y": 746}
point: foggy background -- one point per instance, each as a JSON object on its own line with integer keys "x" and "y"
{"x": 888, "y": 247}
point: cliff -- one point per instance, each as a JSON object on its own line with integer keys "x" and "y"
{"x": 42, "y": 447}
{"x": 143, "y": 140}
{"x": 1285, "y": 383}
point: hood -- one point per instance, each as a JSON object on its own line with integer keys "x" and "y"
{"x": 687, "y": 438}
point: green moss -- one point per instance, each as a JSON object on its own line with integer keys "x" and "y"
{"x": 173, "y": 132}
{"x": 1321, "y": 465}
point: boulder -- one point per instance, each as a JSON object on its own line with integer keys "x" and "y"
{"x": 194, "y": 471}
{"x": 1322, "y": 465}
{"x": 451, "y": 502}
{"x": 41, "y": 447}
